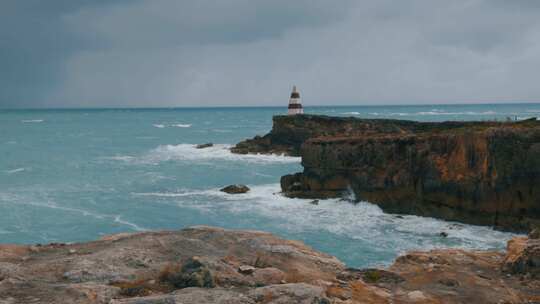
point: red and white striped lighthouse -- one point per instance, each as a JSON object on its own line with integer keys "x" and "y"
{"x": 295, "y": 104}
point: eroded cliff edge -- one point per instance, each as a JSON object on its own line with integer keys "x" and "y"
{"x": 204, "y": 265}
{"x": 483, "y": 173}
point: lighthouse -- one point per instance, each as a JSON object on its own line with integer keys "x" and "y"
{"x": 295, "y": 105}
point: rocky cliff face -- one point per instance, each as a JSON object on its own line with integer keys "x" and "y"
{"x": 290, "y": 132}
{"x": 479, "y": 174}
{"x": 476, "y": 172}
{"x": 204, "y": 265}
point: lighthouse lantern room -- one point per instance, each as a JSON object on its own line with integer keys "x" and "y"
{"x": 295, "y": 105}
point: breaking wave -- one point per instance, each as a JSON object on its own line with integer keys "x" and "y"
{"x": 32, "y": 120}
{"x": 189, "y": 152}
{"x": 434, "y": 112}
{"x": 363, "y": 221}
{"x": 175, "y": 125}
{"x": 118, "y": 219}
{"x": 15, "y": 170}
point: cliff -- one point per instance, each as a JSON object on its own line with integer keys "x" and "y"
{"x": 475, "y": 172}
{"x": 206, "y": 265}
{"x": 290, "y": 132}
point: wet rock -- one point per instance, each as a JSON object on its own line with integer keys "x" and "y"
{"x": 443, "y": 234}
{"x": 202, "y": 146}
{"x": 235, "y": 189}
{"x": 314, "y": 202}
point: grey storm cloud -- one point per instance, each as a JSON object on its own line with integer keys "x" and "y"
{"x": 249, "y": 52}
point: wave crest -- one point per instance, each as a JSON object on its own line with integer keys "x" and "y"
{"x": 216, "y": 152}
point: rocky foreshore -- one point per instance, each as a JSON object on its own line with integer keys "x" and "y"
{"x": 212, "y": 265}
{"x": 475, "y": 172}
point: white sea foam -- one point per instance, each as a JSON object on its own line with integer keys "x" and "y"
{"x": 436, "y": 112}
{"x": 175, "y": 194}
{"x": 15, "y": 170}
{"x": 351, "y": 113}
{"x": 174, "y": 125}
{"x": 189, "y": 152}
{"x": 181, "y": 125}
{"x": 118, "y": 219}
{"x": 119, "y": 157}
{"x": 32, "y": 120}
{"x": 17, "y": 199}
{"x": 9, "y": 198}
{"x": 362, "y": 221}
{"x": 5, "y": 231}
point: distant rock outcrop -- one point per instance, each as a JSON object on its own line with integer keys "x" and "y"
{"x": 203, "y": 146}
{"x": 235, "y": 189}
{"x": 206, "y": 265}
{"x": 476, "y": 172}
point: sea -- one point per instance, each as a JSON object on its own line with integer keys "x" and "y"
{"x": 73, "y": 175}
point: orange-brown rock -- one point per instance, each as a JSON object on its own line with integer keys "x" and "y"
{"x": 202, "y": 265}
{"x": 476, "y": 172}
{"x": 290, "y": 132}
{"x": 523, "y": 256}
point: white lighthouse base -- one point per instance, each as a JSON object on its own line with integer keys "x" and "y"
{"x": 295, "y": 111}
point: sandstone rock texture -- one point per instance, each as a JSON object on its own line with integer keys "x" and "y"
{"x": 475, "y": 172}
{"x": 213, "y": 265}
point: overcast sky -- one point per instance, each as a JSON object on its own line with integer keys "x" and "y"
{"x": 93, "y": 53}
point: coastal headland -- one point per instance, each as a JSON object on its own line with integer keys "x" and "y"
{"x": 483, "y": 172}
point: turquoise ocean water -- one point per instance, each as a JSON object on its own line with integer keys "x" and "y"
{"x": 75, "y": 175}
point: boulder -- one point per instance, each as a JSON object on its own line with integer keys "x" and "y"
{"x": 523, "y": 256}
{"x": 202, "y": 146}
{"x": 246, "y": 269}
{"x": 235, "y": 189}
{"x": 192, "y": 273}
